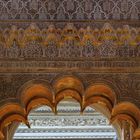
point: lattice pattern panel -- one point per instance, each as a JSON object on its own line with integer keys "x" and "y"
{"x": 70, "y": 9}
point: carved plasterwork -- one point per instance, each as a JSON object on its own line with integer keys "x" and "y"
{"x": 104, "y": 49}
{"x": 37, "y": 44}
{"x": 68, "y": 42}
{"x": 69, "y": 9}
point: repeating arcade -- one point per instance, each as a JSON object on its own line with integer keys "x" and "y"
{"x": 34, "y": 93}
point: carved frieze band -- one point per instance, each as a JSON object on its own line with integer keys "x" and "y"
{"x": 70, "y": 42}
{"x": 81, "y": 66}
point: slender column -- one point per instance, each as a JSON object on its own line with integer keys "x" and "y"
{"x": 122, "y": 131}
{"x": 127, "y": 131}
{"x": 131, "y": 131}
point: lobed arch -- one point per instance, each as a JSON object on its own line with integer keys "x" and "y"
{"x": 130, "y": 113}
{"x": 99, "y": 93}
{"x": 36, "y": 93}
{"x": 68, "y": 82}
{"x": 126, "y": 111}
{"x": 68, "y": 87}
{"x": 11, "y": 112}
{"x": 116, "y": 90}
{"x": 31, "y": 83}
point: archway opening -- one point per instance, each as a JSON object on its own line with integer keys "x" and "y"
{"x": 68, "y": 123}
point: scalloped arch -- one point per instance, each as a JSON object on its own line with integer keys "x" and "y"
{"x": 9, "y": 113}
{"x": 68, "y": 93}
{"x": 99, "y": 92}
{"x": 34, "y": 90}
{"x": 127, "y": 111}
{"x": 9, "y": 108}
{"x": 68, "y": 82}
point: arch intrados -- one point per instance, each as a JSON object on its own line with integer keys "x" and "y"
{"x": 127, "y": 108}
{"x": 68, "y": 93}
{"x": 99, "y": 93}
{"x": 99, "y": 100}
{"x": 36, "y": 90}
{"x": 10, "y": 108}
{"x": 38, "y": 97}
{"x": 67, "y": 82}
{"x": 31, "y": 83}
{"x": 7, "y": 120}
{"x": 102, "y": 109}
{"x": 37, "y": 102}
{"x": 126, "y": 117}
{"x": 100, "y": 89}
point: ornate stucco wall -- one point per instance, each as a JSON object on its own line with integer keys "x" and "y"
{"x": 46, "y": 44}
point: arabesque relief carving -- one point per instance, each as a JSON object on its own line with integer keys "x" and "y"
{"x": 87, "y": 50}
{"x": 68, "y": 42}
{"x": 69, "y": 9}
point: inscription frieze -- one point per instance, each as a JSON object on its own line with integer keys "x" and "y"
{"x": 81, "y": 65}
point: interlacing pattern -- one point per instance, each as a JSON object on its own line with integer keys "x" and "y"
{"x": 69, "y": 9}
